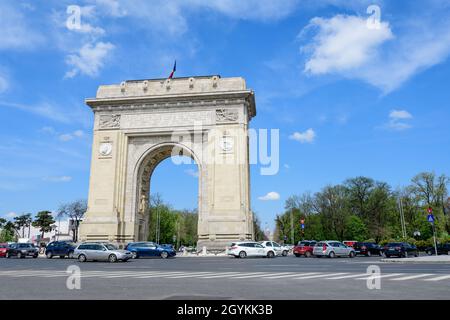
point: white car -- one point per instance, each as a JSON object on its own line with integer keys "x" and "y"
{"x": 277, "y": 248}
{"x": 333, "y": 249}
{"x": 250, "y": 249}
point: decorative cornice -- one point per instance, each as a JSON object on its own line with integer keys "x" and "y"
{"x": 214, "y": 99}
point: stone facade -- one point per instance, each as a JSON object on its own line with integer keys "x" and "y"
{"x": 138, "y": 124}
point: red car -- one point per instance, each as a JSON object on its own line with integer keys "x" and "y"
{"x": 3, "y": 249}
{"x": 304, "y": 248}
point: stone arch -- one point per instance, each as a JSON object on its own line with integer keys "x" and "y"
{"x": 143, "y": 172}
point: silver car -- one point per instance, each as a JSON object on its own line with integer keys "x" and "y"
{"x": 333, "y": 249}
{"x": 97, "y": 251}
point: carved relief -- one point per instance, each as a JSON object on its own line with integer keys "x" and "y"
{"x": 110, "y": 121}
{"x": 226, "y": 115}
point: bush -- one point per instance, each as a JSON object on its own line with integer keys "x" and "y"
{"x": 422, "y": 244}
{"x": 370, "y": 240}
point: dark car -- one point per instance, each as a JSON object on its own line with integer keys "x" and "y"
{"x": 61, "y": 249}
{"x": 22, "y": 250}
{"x": 441, "y": 249}
{"x": 149, "y": 249}
{"x": 304, "y": 248}
{"x": 400, "y": 249}
{"x": 368, "y": 249}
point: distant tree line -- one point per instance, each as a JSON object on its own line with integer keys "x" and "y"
{"x": 363, "y": 209}
{"x": 20, "y": 226}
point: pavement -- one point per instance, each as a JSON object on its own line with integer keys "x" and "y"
{"x": 222, "y": 278}
{"x": 422, "y": 259}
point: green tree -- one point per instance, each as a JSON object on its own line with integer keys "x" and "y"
{"x": 21, "y": 222}
{"x": 44, "y": 221}
{"x": 74, "y": 211}
{"x": 355, "y": 229}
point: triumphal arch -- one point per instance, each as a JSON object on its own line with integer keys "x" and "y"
{"x": 139, "y": 123}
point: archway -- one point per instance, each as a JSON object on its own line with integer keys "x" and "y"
{"x": 179, "y": 155}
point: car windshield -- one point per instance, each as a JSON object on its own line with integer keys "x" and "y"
{"x": 394, "y": 244}
{"x": 25, "y": 245}
{"x": 110, "y": 246}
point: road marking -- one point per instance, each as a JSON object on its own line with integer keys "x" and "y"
{"x": 347, "y": 276}
{"x": 381, "y": 276}
{"x": 256, "y": 275}
{"x": 321, "y": 276}
{"x": 223, "y": 275}
{"x": 157, "y": 275}
{"x": 192, "y": 275}
{"x": 412, "y": 277}
{"x": 290, "y": 274}
{"x": 438, "y": 278}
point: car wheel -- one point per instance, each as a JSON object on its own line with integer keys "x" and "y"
{"x": 297, "y": 255}
{"x": 164, "y": 254}
{"x": 405, "y": 255}
{"x": 82, "y": 258}
{"x": 428, "y": 252}
{"x": 134, "y": 255}
{"x": 112, "y": 258}
{"x": 49, "y": 255}
{"x": 368, "y": 253}
{"x": 351, "y": 254}
{"x": 307, "y": 254}
{"x": 70, "y": 255}
{"x": 242, "y": 254}
{"x": 62, "y": 257}
{"x": 388, "y": 256}
{"x": 285, "y": 253}
{"x": 7, "y": 255}
{"x": 270, "y": 254}
{"x": 20, "y": 255}
{"x": 331, "y": 255}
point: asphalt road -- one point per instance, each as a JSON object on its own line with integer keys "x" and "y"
{"x": 223, "y": 278}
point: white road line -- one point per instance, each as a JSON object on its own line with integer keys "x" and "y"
{"x": 127, "y": 274}
{"x": 193, "y": 275}
{"x": 290, "y": 274}
{"x": 256, "y": 275}
{"x": 381, "y": 276}
{"x": 438, "y": 278}
{"x": 160, "y": 275}
{"x": 321, "y": 276}
{"x": 423, "y": 275}
{"x": 222, "y": 275}
{"x": 347, "y": 276}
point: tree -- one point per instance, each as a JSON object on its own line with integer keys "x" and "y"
{"x": 44, "y": 221}
{"x": 259, "y": 233}
{"x": 355, "y": 229}
{"x": 21, "y": 222}
{"x": 74, "y": 211}
{"x": 8, "y": 231}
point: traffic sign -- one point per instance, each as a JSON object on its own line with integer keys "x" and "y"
{"x": 430, "y": 210}
{"x": 303, "y": 226}
{"x": 430, "y": 218}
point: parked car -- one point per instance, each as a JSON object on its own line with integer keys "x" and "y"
{"x": 368, "y": 249}
{"x": 22, "y": 250}
{"x": 97, "y": 251}
{"x": 250, "y": 249}
{"x": 349, "y": 243}
{"x": 441, "y": 249}
{"x": 150, "y": 249}
{"x": 400, "y": 249}
{"x": 333, "y": 249}
{"x": 304, "y": 248}
{"x": 277, "y": 248}
{"x": 3, "y": 249}
{"x": 60, "y": 248}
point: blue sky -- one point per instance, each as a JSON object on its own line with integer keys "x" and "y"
{"x": 349, "y": 96}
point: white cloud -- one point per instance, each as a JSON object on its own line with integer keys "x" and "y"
{"x": 70, "y": 136}
{"x": 44, "y": 109}
{"x": 58, "y": 179}
{"x": 400, "y": 114}
{"x": 16, "y": 32}
{"x": 192, "y": 173}
{"x": 343, "y": 43}
{"x": 89, "y": 59}
{"x": 271, "y": 196}
{"x": 11, "y": 215}
{"x": 4, "y": 84}
{"x": 398, "y": 120}
{"x": 344, "y": 46}
{"x": 304, "y": 137}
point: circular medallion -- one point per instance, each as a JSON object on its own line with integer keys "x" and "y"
{"x": 227, "y": 143}
{"x": 105, "y": 149}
